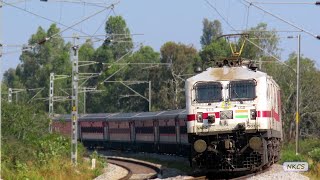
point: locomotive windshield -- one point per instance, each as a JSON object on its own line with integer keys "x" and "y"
{"x": 208, "y": 92}
{"x": 242, "y": 90}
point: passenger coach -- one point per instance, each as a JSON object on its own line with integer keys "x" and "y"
{"x": 163, "y": 131}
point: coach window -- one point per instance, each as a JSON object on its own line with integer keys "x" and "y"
{"x": 242, "y": 90}
{"x": 207, "y": 92}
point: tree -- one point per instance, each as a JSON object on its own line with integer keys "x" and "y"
{"x": 216, "y": 50}
{"x": 211, "y": 30}
{"x": 141, "y": 73}
{"x": 309, "y": 98}
{"x": 264, "y": 38}
{"x": 36, "y": 65}
{"x": 118, "y": 36}
{"x": 183, "y": 60}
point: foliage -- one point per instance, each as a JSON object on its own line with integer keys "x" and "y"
{"x": 216, "y": 50}
{"x": 119, "y": 36}
{"x": 167, "y": 81}
{"x": 182, "y": 59}
{"x": 211, "y": 30}
{"x": 309, "y": 98}
{"x": 30, "y": 152}
{"x": 262, "y": 37}
{"x": 23, "y": 122}
{"x": 315, "y": 154}
{"x": 36, "y": 65}
{"x": 309, "y": 151}
{"x": 290, "y": 156}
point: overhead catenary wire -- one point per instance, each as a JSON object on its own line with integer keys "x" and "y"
{"x": 67, "y": 27}
{"x": 281, "y": 19}
{"x": 86, "y": 18}
{"x": 42, "y": 17}
{"x": 117, "y": 62}
{"x": 311, "y": 3}
{"x": 259, "y": 47}
{"x": 278, "y": 31}
{"x": 248, "y": 14}
{"x": 96, "y": 4}
{"x": 102, "y": 23}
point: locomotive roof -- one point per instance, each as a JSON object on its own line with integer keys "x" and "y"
{"x": 179, "y": 113}
{"x": 226, "y": 74}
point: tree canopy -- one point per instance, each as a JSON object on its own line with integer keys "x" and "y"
{"x": 124, "y": 74}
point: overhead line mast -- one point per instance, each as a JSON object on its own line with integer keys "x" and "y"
{"x": 74, "y": 104}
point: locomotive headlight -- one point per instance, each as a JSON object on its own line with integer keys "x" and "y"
{"x": 253, "y": 114}
{"x": 199, "y": 117}
{"x": 200, "y": 146}
{"x": 255, "y": 143}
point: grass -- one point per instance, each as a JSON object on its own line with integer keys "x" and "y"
{"x": 309, "y": 151}
{"x": 47, "y": 158}
{"x": 54, "y": 170}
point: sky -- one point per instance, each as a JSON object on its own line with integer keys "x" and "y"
{"x": 157, "y": 21}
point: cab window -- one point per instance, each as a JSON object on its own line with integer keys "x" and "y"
{"x": 207, "y": 92}
{"x": 242, "y": 90}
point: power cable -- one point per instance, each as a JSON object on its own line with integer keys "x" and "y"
{"x": 68, "y": 27}
{"x": 311, "y": 3}
{"x": 224, "y": 19}
{"x": 259, "y": 47}
{"x": 83, "y": 13}
{"x": 280, "y": 18}
{"x": 82, "y": 20}
{"x": 102, "y": 23}
{"x": 248, "y": 11}
{"x": 118, "y": 61}
{"x": 97, "y": 4}
{"x": 60, "y": 13}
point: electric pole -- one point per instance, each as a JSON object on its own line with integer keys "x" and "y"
{"x": 10, "y": 95}
{"x": 53, "y": 77}
{"x": 51, "y": 88}
{"x": 12, "y": 91}
{"x": 74, "y": 104}
{"x": 0, "y": 89}
{"x": 297, "y": 101}
{"x": 149, "y": 96}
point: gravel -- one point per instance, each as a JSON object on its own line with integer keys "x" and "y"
{"x": 276, "y": 172}
{"x": 112, "y": 172}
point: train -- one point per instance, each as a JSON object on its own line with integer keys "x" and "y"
{"x": 232, "y": 122}
{"x": 159, "y": 132}
{"x": 233, "y": 118}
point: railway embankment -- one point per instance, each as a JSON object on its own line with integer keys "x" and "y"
{"x": 169, "y": 173}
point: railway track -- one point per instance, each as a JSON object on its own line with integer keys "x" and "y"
{"x": 136, "y": 169}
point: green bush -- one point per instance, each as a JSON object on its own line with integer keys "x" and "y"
{"x": 308, "y": 145}
{"x": 30, "y": 152}
{"x": 290, "y": 156}
{"x": 315, "y": 155}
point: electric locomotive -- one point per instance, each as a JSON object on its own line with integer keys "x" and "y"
{"x": 234, "y": 117}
